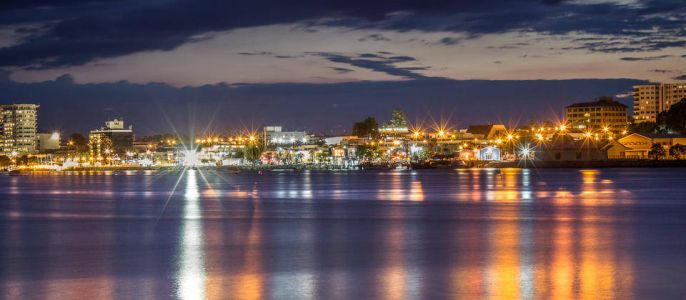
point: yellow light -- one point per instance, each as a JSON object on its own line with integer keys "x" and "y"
{"x": 509, "y": 137}
{"x": 563, "y": 127}
{"x": 624, "y": 132}
{"x": 252, "y": 138}
{"x": 441, "y": 132}
{"x": 606, "y": 129}
{"x": 588, "y": 134}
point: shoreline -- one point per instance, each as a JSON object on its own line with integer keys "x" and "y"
{"x": 280, "y": 168}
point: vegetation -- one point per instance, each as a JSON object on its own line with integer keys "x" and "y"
{"x": 675, "y": 118}
{"x": 657, "y": 151}
{"x": 676, "y": 151}
{"x": 644, "y": 127}
{"x": 253, "y": 151}
{"x": 366, "y": 128}
{"x": 77, "y": 142}
{"x": 368, "y": 152}
{"x": 5, "y": 161}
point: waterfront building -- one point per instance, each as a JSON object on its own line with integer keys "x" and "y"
{"x": 113, "y": 138}
{"x": 18, "y": 128}
{"x": 48, "y": 141}
{"x": 602, "y": 114}
{"x": 638, "y": 146}
{"x": 566, "y": 148}
{"x": 273, "y": 135}
{"x": 652, "y": 99}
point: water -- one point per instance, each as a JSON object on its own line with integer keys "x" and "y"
{"x": 553, "y": 234}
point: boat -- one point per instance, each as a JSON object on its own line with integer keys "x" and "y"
{"x": 14, "y": 173}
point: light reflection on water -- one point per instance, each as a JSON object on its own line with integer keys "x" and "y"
{"x": 191, "y": 269}
{"x": 500, "y": 234}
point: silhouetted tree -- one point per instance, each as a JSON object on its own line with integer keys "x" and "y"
{"x": 657, "y": 151}
{"x": 5, "y": 161}
{"x": 644, "y": 127}
{"x": 675, "y": 118}
{"x": 677, "y": 151}
{"x": 366, "y": 128}
{"x": 22, "y": 160}
{"x": 77, "y": 142}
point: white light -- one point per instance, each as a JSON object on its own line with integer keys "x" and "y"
{"x": 190, "y": 158}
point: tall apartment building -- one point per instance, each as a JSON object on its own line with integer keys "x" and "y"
{"x": 18, "y": 127}
{"x": 652, "y": 99}
{"x": 599, "y": 114}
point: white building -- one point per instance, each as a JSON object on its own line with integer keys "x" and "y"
{"x": 273, "y": 135}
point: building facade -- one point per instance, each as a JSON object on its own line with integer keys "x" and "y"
{"x": 600, "y": 114}
{"x": 273, "y": 135}
{"x": 114, "y": 138}
{"x": 652, "y": 99}
{"x": 638, "y": 146}
{"x": 18, "y": 128}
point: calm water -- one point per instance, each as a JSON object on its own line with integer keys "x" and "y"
{"x": 555, "y": 234}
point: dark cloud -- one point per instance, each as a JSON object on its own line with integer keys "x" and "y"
{"x": 376, "y": 62}
{"x": 658, "y": 57}
{"x": 255, "y": 53}
{"x": 331, "y": 108}
{"x": 77, "y": 32}
{"x": 374, "y": 37}
{"x": 680, "y": 77}
{"x": 341, "y": 70}
{"x": 449, "y": 41}
{"x": 660, "y": 71}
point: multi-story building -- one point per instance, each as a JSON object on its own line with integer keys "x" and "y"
{"x": 18, "y": 127}
{"x": 600, "y": 114}
{"x": 273, "y": 135}
{"x": 652, "y": 99}
{"x": 114, "y": 138}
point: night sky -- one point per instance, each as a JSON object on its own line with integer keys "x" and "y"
{"x": 320, "y": 65}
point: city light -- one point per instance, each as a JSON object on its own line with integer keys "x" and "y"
{"x": 190, "y": 158}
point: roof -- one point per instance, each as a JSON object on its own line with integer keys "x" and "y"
{"x": 602, "y": 101}
{"x": 662, "y": 135}
{"x": 480, "y": 129}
